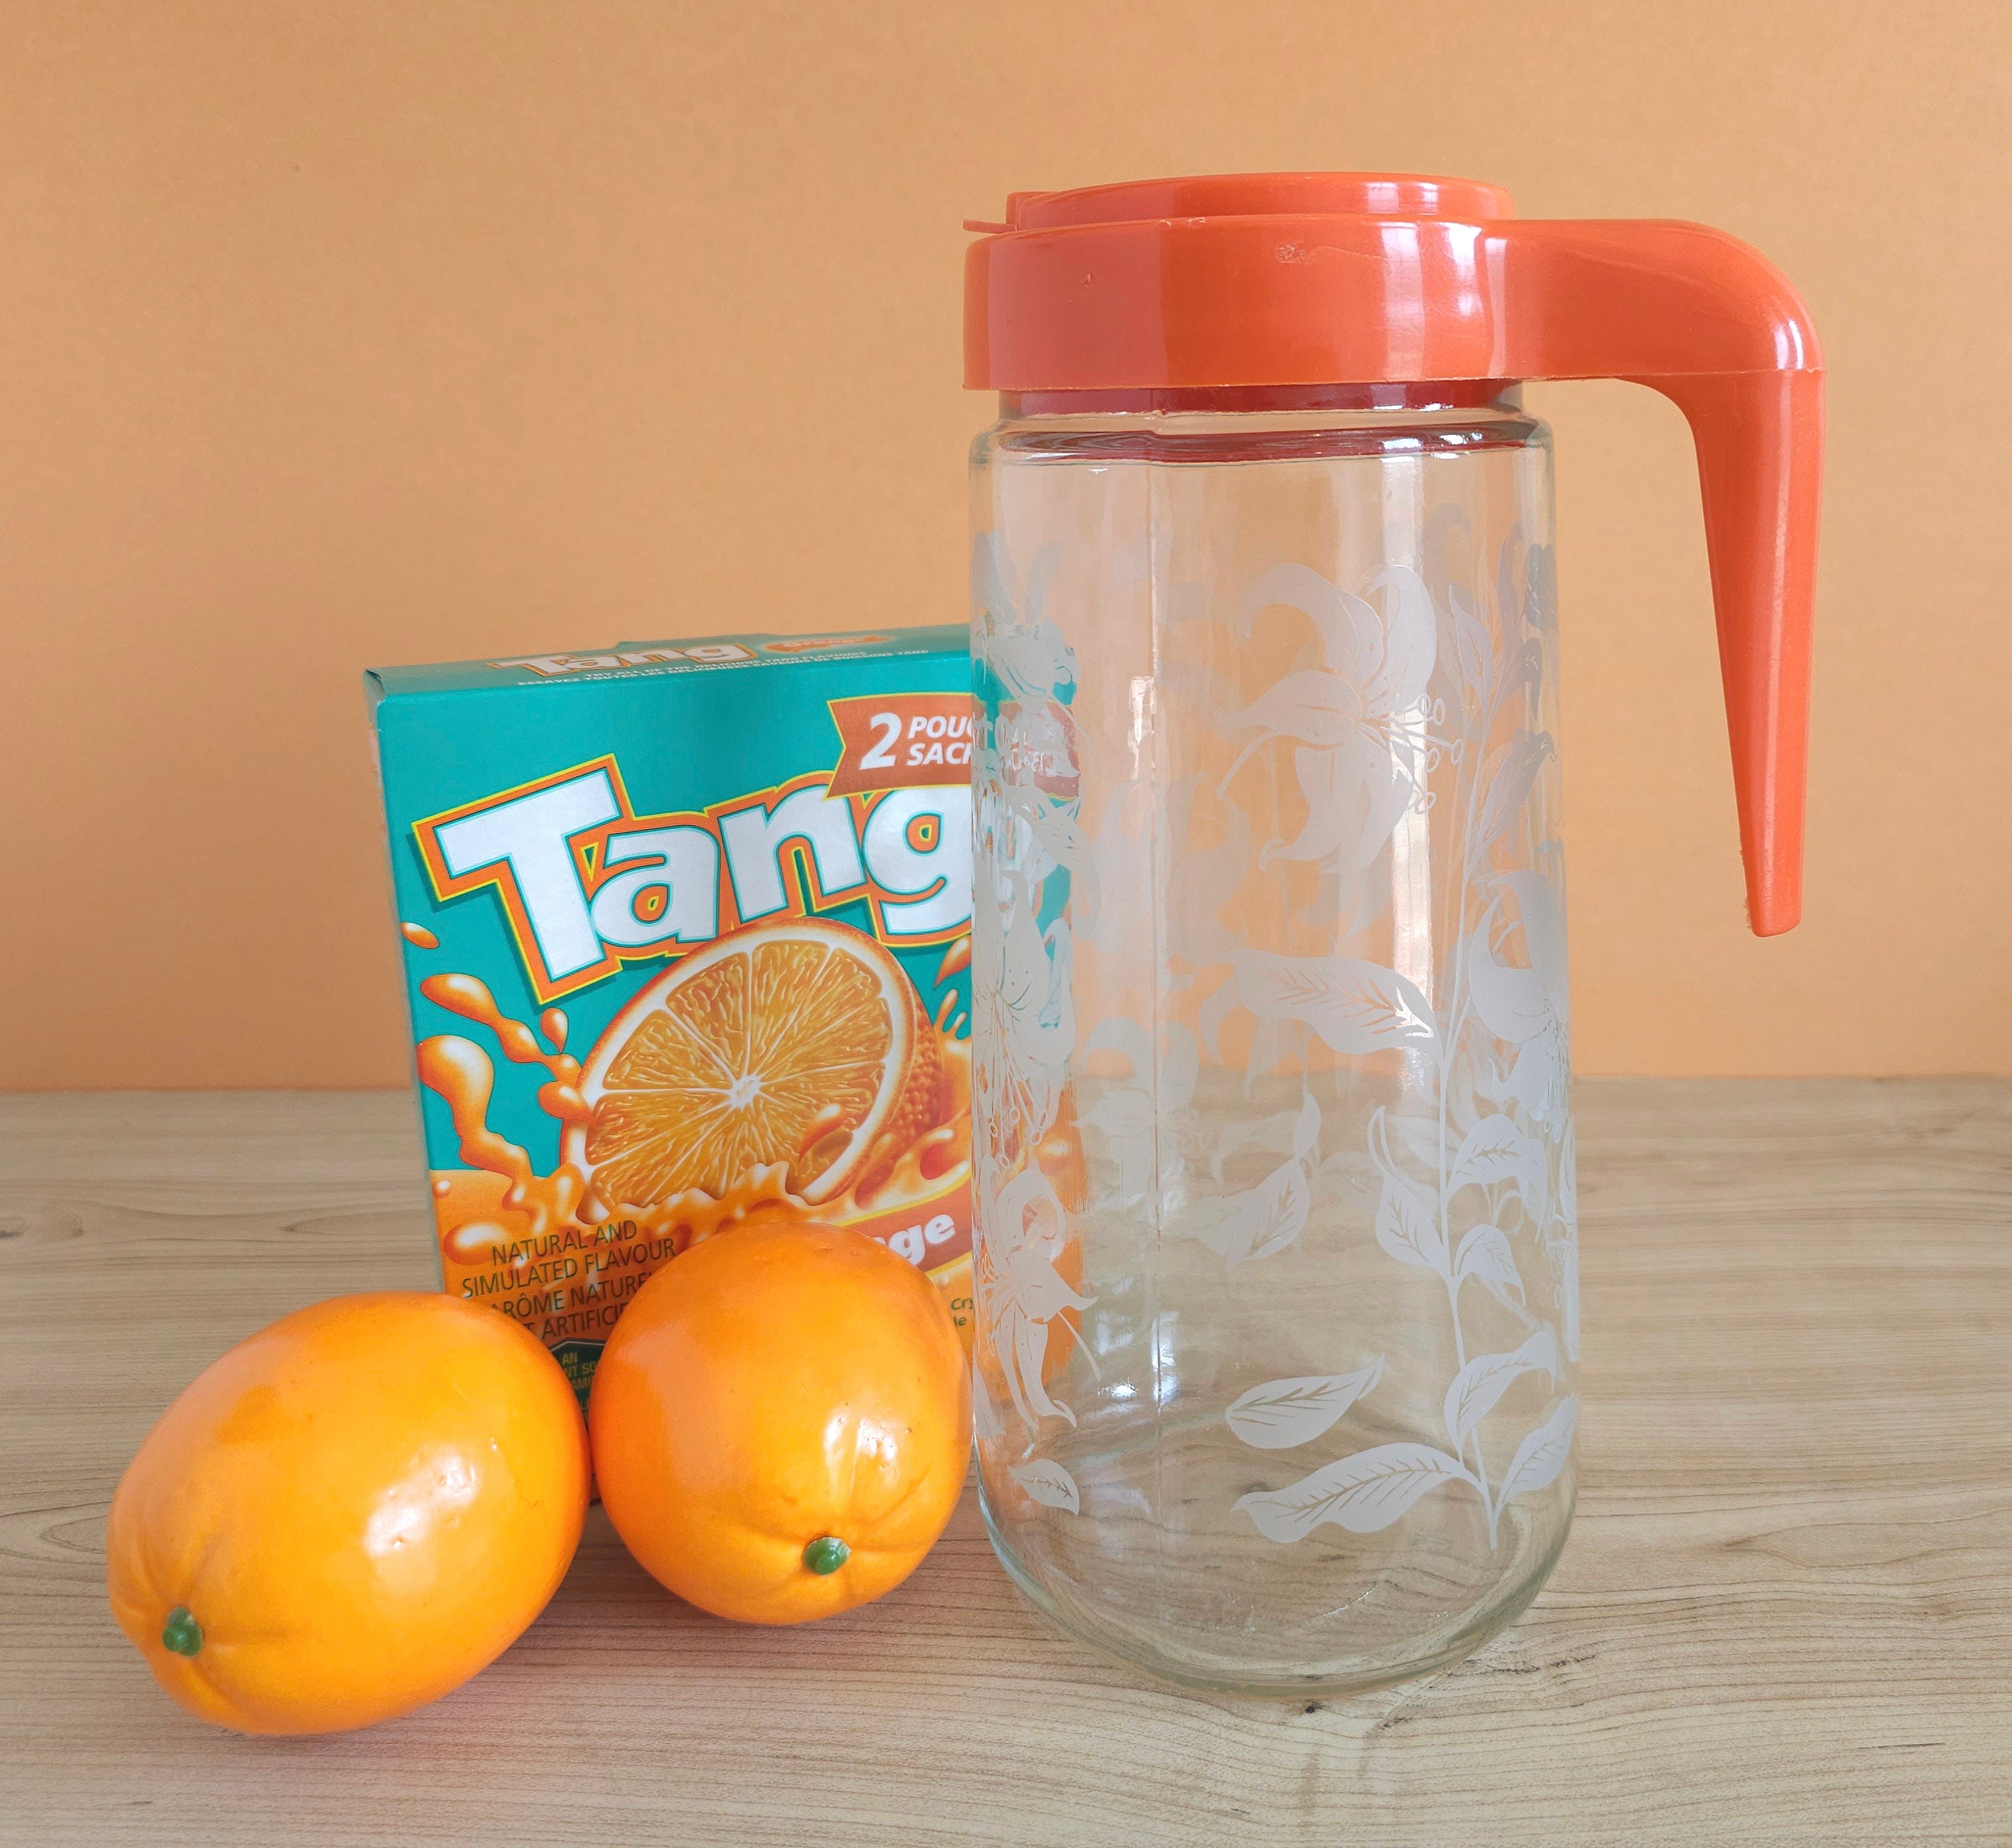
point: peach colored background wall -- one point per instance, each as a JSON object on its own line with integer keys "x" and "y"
{"x": 347, "y": 332}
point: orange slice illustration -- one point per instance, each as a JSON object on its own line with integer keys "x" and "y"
{"x": 798, "y": 1041}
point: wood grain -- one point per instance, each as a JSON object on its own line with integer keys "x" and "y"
{"x": 1784, "y": 1615}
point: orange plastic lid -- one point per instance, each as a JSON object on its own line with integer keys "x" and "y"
{"x": 1271, "y": 280}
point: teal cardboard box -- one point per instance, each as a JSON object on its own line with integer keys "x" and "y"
{"x": 685, "y": 928}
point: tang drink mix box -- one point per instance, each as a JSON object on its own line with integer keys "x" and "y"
{"x": 685, "y": 928}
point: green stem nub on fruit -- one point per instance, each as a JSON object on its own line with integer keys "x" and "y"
{"x": 825, "y": 1554}
{"x": 181, "y": 1632}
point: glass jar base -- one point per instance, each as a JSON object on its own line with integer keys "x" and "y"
{"x": 1192, "y": 1659}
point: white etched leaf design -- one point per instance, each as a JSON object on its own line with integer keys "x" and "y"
{"x": 1410, "y": 641}
{"x": 1273, "y": 1214}
{"x": 1214, "y": 1012}
{"x": 1259, "y": 1222}
{"x": 1470, "y": 646}
{"x": 1315, "y": 707}
{"x": 1271, "y": 1041}
{"x": 1022, "y": 1224}
{"x": 1569, "y": 1178}
{"x": 1048, "y": 1483}
{"x": 1351, "y": 630}
{"x": 1536, "y": 1081}
{"x": 1208, "y": 1220}
{"x": 1335, "y": 803}
{"x": 1122, "y": 1113}
{"x": 987, "y": 1425}
{"x": 1569, "y": 1263}
{"x": 1354, "y": 795}
{"x": 1051, "y": 823}
{"x": 1356, "y": 1007}
{"x": 1484, "y": 1380}
{"x": 1023, "y": 660}
{"x": 1540, "y": 1455}
{"x": 1025, "y": 1214}
{"x": 1408, "y": 1228}
{"x": 1416, "y": 1137}
{"x": 1306, "y": 1126}
{"x": 1023, "y": 1343}
{"x": 1278, "y": 1132}
{"x": 1385, "y": 652}
{"x": 1494, "y": 1150}
{"x": 1282, "y": 1413}
{"x": 1511, "y": 777}
{"x": 1036, "y": 1287}
{"x": 1543, "y": 936}
{"x": 1033, "y": 658}
{"x": 1534, "y": 1183}
{"x": 1511, "y": 1001}
{"x": 1485, "y": 1255}
{"x": 1363, "y": 1493}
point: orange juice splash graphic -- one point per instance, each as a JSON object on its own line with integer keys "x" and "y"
{"x": 546, "y": 1249}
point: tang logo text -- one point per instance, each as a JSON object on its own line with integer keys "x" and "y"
{"x": 588, "y": 884}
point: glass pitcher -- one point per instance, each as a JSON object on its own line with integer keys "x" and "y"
{"x": 1277, "y": 1285}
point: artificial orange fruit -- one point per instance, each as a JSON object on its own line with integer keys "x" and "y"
{"x": 349, "y": 1514}
{"x": 781, "y": 1422}
{"x": 798, "y": 1041}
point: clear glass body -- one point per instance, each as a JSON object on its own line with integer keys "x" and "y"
{"x": 1276, "y": 1277}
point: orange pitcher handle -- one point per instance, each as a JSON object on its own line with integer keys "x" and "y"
{"x": 1715, "y": 327}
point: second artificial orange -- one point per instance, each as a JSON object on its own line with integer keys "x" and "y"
{"x": 781, "y": 1422}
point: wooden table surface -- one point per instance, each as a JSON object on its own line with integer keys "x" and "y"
{"x": 1784, "y": 1613}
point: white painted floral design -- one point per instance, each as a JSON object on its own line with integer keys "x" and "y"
{"x": 1283, "y": 1413}
{"x": 1030, "y": 847}
{"x": 1023, "y": 1013}
{"x": 1259, "y": 1222}
{"x": 1355, "y": 720}
{"x": 1406, "y": 726}
{"x": 1475, "y": 1156}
